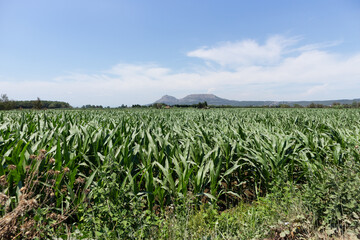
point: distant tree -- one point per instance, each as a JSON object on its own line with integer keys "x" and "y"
{"x": 355, "y": 104}
{"x": 52, "y": 105}
{"x": 297, "y": 105}
{"x": 158, "y": 105}
{"x": 4, "y": 98}
{"x": 336, "y": 105}
{"x": 312, "y": 105}
{"x": 284, "y": 106}
{"x": 38, "y": 104}
{"x": 202, "y": 105}
{"x": 5, "y": 103}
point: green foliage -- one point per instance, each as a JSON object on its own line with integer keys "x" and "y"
{"x": 141, "y": 164}
{"x": 38, "y": 103}
{"x": 159, "y": 105}
{"x": 11, "y": 104}
{"x": 112, "y": 211}
{"x": 266, "y": 217}
{"x": 202, "y": 105}
{"x": 334, "y": 198}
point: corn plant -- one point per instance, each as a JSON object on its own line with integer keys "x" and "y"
{"x": 221, "y": 156}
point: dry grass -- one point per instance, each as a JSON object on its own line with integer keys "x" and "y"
{"x": 19, "y": 222}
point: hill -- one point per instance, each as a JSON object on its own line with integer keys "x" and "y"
{"x": 212, "y": 99}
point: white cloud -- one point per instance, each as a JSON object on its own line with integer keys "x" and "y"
{"x": 149, "y": 71}
{"x": 246, "y": 52}
{"x": 280, "y": 69}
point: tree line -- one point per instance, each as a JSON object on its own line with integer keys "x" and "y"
{"x": 202, "y": 105}
{"x": 205, "y": 105}
{"x": 7, "y": 104}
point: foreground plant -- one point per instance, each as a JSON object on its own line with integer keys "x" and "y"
{"x": 147, "y": 161}
{"x": 39, "y": 208}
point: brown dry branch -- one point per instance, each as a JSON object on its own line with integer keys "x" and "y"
{"x": 9, "y": 223}
{"x": 38, "y": 192}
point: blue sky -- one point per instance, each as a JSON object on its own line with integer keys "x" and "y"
{"x": 128, "y": 52}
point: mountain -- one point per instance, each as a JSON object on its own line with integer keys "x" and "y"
{"x": 212, "y": 99}
{"x": 169, "y": 100}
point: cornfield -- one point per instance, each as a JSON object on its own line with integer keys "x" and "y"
{"x": 221, "y": 156}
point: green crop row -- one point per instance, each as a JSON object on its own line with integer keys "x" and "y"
{"x": 221, "y": 156}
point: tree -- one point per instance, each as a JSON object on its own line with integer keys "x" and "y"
{"x": 38, "y": 103}
{"x": 4, "y": 98}
{"x": 355, "y": 104}
{"x": 284, "y": 106}
{"x": 158, "y": 105}
{"x": 312, "y": 105}
{"x": 5, "y": 103}
{"x": 202, "y": 105}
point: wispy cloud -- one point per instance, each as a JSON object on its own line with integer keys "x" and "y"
{"x": 316, "y": 46}
{"x": 279, "y": 69}
{"x": 246, "y": 52}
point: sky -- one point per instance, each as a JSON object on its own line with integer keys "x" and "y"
{"x": 115, "y": 52}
